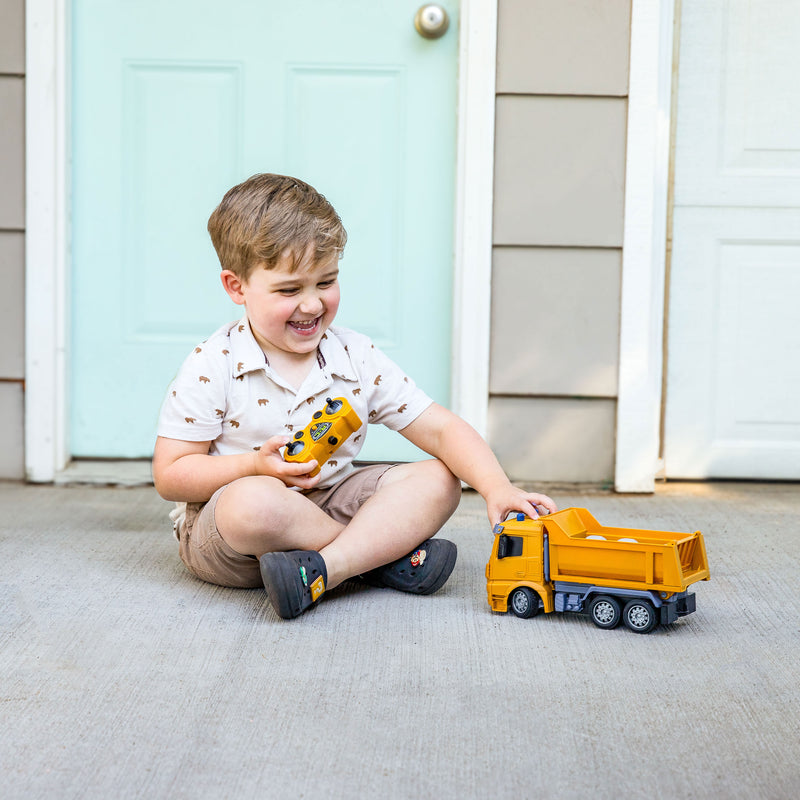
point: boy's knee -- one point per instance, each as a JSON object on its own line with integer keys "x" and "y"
{"x": 453, "y": 488}
{"x": 447, "y": 485}
{"x": 254, "y": 500}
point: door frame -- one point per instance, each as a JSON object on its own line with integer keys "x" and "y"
{"x": 47, "y": 234}
{"x": 647, "y": 180}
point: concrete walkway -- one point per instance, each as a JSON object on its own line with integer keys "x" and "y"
{"x": 124, "y": 677}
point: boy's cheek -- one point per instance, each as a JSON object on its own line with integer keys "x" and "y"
{"x": 332, "y": 298}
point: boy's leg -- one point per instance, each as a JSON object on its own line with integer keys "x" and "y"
{"x": 413, "y": 501}
{"x": 411, "y": 504}
{"x": 260, "y": 515}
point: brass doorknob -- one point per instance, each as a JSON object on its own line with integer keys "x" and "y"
{"x": 431, "y": 21}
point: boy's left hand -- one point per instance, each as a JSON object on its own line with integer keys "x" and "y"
{"x": 511, "y": 499}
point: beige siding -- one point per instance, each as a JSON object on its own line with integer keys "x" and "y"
{"x": 562, "y": 76}
{"x": 12, "y": 153}
{"x": 12, "y": 246}
{"x": 563, "y": 47}
{"x": 12, "y": 37}
{"x": 12, "y": 434}
{"x": 12, "y": 322}
{"x": 559, "y": 170}
{"x": 555, "y": 322}
{"x": 553, "y": 438}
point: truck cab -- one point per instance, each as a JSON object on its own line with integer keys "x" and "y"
{"x": 516, "y": 571}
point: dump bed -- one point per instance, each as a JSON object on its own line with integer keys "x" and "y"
{"x": 581, "y": 550}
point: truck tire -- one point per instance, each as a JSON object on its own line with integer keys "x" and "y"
{"x": 523, "y": 602}
{"x": 639, "y": 616}
{"x": 605, "y": 611}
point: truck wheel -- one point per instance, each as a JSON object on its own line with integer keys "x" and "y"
{"x": 523, "y": 602}
{"x": 639, "y": 616}
{"x": 605, "y": 612}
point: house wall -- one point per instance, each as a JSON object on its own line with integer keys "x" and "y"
{"x": 12, "y": 236}
{"x": 562, "y": 81}
{"x": 562, "y": 77}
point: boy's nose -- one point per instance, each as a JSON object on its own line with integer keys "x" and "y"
{"x": 311, "y": 303}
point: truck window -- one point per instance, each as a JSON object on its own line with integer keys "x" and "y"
{"x": 509, "y": 546}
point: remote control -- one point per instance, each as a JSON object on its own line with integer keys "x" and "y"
{"x": 328, "y": 428}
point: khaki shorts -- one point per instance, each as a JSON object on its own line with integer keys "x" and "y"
{"x": 206, "y": 554}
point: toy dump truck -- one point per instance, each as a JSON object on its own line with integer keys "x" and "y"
{"x": 569, "y": 562}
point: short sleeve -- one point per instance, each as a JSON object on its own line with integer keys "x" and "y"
{"x": 194, "y": 407}
{"x": 394, "y": 399}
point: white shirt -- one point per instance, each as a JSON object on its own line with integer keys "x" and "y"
{"x": 227, "y": 393}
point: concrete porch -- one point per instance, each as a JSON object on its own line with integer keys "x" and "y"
{"x": 123, "y": 676}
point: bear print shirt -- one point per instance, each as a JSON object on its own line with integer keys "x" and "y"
{"x": 226, "y": 393}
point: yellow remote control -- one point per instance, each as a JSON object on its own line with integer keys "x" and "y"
{"x": 328, "y": 428}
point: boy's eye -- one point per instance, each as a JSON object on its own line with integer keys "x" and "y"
{"x": 287, "y": 292}
{"x": 325, "y": 284}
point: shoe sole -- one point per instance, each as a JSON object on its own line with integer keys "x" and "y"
{"x": 280, "y": 587}
{"x": 444, "y": 573}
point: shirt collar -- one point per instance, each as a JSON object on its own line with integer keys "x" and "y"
{"x": 335, "y": 356}
{"x": 247, "y": 355}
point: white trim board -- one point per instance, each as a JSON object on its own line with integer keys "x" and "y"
{"x": 644, "y": 246}
{"x": 472, "y": 280}
{"x": 47, "y": 234}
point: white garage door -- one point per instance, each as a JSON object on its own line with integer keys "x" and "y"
{"x": 733, "y": 380}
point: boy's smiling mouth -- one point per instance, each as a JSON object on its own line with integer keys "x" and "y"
{"x": 305, "y": 327}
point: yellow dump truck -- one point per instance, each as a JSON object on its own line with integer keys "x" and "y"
{"x": 567, "y": 561}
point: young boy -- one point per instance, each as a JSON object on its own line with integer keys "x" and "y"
{"x": 245, "y": 516}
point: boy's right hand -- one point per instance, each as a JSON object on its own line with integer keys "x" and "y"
{"x": 269, "y": 461}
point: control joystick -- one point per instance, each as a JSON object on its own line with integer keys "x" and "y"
{"x": 332, "y": 406}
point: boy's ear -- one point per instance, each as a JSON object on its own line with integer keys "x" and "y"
{"x": 232, "y": 284}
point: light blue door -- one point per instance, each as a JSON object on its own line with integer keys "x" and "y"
{"x": 173, "y": 103}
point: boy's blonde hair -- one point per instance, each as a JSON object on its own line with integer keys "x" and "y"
{"x": 265, "y": 217}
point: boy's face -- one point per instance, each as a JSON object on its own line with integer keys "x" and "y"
{"x": 289, "y": 311}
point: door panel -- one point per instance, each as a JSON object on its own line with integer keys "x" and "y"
{"x": 733, "y": 376}
{"x": 733, "y": 405}
{"x": 173, "y": 104}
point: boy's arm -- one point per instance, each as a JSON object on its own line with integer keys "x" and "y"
{"x": 452, "y": 440}
{"x": 185, "y": 472}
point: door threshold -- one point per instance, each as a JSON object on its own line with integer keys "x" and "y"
{"x": 106, "y": 472}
